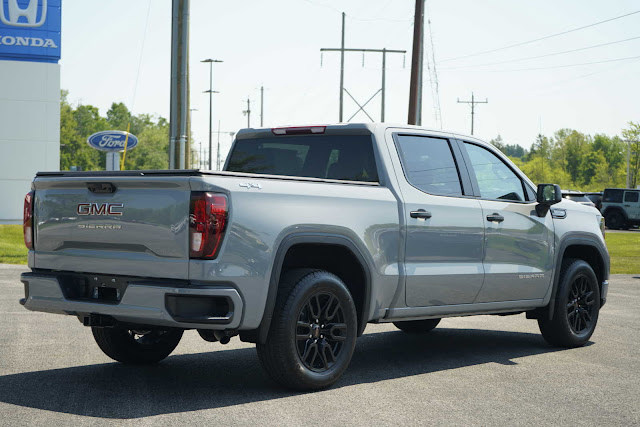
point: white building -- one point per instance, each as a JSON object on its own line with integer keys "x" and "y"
{"x": 29, "y": 98}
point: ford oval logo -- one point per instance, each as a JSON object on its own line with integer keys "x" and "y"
{"x": 112, "y": 140}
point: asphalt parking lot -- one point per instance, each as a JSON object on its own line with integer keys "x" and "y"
{"x": 483, "y": 370}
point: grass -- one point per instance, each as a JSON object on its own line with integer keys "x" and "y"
{"x": 12, "y": 249}
{"x": 624, "y": 249}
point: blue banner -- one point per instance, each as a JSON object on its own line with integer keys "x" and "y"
{"x": 30, "y": 30}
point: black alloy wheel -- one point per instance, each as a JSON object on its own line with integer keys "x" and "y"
{"x": 576, "y": 306}
{"x": 313, "y": 332}
{"x": 581, "y": 305}
{"x": 321, "y": 331}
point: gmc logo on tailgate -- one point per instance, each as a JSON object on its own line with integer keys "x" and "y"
{"x": 100, "y": 208}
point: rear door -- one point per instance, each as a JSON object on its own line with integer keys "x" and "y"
{"x": 518, "y": 245}
{"x": 444, "y": 227}
{"x": 116, "y": 225}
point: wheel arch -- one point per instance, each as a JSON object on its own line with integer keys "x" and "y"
{"x": 303, "y": 244}
{"x": 611, "y": 209}
{"x": 582, "y": 246}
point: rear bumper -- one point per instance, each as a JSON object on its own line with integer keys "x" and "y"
{"x": 142, "y": 303}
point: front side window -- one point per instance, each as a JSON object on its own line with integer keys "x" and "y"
{"x": 495, "y": 179}
{"x": 631, "y": 196}
{"x": 429, "y": 165}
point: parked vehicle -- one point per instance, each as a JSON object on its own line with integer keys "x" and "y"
{"x": 621, "y": 207}
{"x": 596, "y": 198}
{"x": 578, "y": 197}
{"x": 309, "y": 234}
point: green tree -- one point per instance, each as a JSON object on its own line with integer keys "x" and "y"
{"x": 632, "y": 138}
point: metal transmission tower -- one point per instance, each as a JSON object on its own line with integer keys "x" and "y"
{"x": 382, "y": 90}
{"x": 473, "y": 102}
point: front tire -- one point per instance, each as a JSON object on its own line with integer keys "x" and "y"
{"x": 614, "y": 220}
{"x": 138, "y": 347}
{"x": 313, "y": 331}
{"x": 577, "y": 306}
{"x": 417, "y": 326}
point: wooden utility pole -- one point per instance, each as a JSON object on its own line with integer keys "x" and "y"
{"x": 473, "y": 102}
{"x": 416, "y": 65}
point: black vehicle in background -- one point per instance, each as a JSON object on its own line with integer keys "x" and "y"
{"x": 596, "y": 198}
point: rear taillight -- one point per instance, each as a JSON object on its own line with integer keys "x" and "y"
{"x": 300, "y": 130}
{"x": 27, "y": 220}
{"x": 207, "y": 223}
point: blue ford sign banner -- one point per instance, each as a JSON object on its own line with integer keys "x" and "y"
{"x": 30, "y": 30}
{"x": 112, "y": 140}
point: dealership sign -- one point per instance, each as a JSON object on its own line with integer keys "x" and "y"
{"x": 30, "y": 30}
{"x": 112, "y": 140}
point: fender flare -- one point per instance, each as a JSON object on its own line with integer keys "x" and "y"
{"x": 584, "y": 239}
{"x": 312, "y": 238}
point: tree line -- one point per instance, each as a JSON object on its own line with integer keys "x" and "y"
{"x": 572, "y": 159}
{"x": 578, "y": 161}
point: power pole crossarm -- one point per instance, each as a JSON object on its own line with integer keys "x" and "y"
{"x": 473, "y": 103}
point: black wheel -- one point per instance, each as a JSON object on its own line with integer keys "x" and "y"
{"x": 137, "y": 346}
{"x": 614, "y": 220}
{"x": 417, "y": 326}
{"x": 313, "y": 331}
{"x": 576, "y": 309}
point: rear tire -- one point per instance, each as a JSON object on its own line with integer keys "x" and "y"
{"x": 137, "y": 346}
{"x": 313, "y": 331}
{"x": 417, "y": 326}
{"x": 577, "y": 305}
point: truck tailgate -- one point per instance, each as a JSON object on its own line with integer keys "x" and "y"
{"x": 113, "y": 224}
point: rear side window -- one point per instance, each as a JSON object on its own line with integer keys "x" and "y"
{"x": 429, "y": 165}
{"x": 342, "y": 157}
{"x": 631, "y": 196}
{"x": 612, "y": 196}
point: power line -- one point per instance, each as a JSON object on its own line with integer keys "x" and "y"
{"x": 435, "y": 86}
{"x": 573, "y": 65}
{"x": 542, "y": 56}
{"x": 541, "y": 38}
{"x": 473, "y": 103}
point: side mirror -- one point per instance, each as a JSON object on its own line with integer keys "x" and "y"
{"x": 547, "y": 195}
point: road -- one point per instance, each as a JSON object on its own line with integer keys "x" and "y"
{"x": 482, "y": 370}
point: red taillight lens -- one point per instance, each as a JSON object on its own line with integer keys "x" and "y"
{"x": 300, "y": 130}
{"x": 27, "y": 220}
{"x": 207, "y": 223}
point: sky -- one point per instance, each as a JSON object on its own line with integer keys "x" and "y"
{"x": 119, "y": 51}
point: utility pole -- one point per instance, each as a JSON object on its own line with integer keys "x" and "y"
{"x": 218, "y": 157}
{"x": 247, "y": 113}
{"x": 342, "y": 51}
{"x": 210, "y": 92}
{"x": 416, "y": 65}
{"x": 261, "y": 106}
{"x": 473, "y": 102}
{"x": 628, "y": 161}
{"x": 179, "y": 84}
{"x": 191, "y": 110}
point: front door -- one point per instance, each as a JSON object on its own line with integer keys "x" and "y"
{"x": 518, "y": 245}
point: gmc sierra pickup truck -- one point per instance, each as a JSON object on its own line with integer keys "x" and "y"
{"x": 307, "y": 235}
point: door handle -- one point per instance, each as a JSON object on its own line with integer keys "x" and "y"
{"x": 495, "y": 217}
{"x": 420, "y": 213}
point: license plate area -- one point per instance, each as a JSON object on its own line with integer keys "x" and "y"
{"x": 93, "y": 287}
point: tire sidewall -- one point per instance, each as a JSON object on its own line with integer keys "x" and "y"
{"x": 576, "y": 269}
{"x": 319, "y": 282}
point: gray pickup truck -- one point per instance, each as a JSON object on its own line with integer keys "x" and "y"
{"x": 307, "y": 235}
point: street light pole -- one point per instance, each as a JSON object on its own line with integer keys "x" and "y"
{"x": 210, "y": 92}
